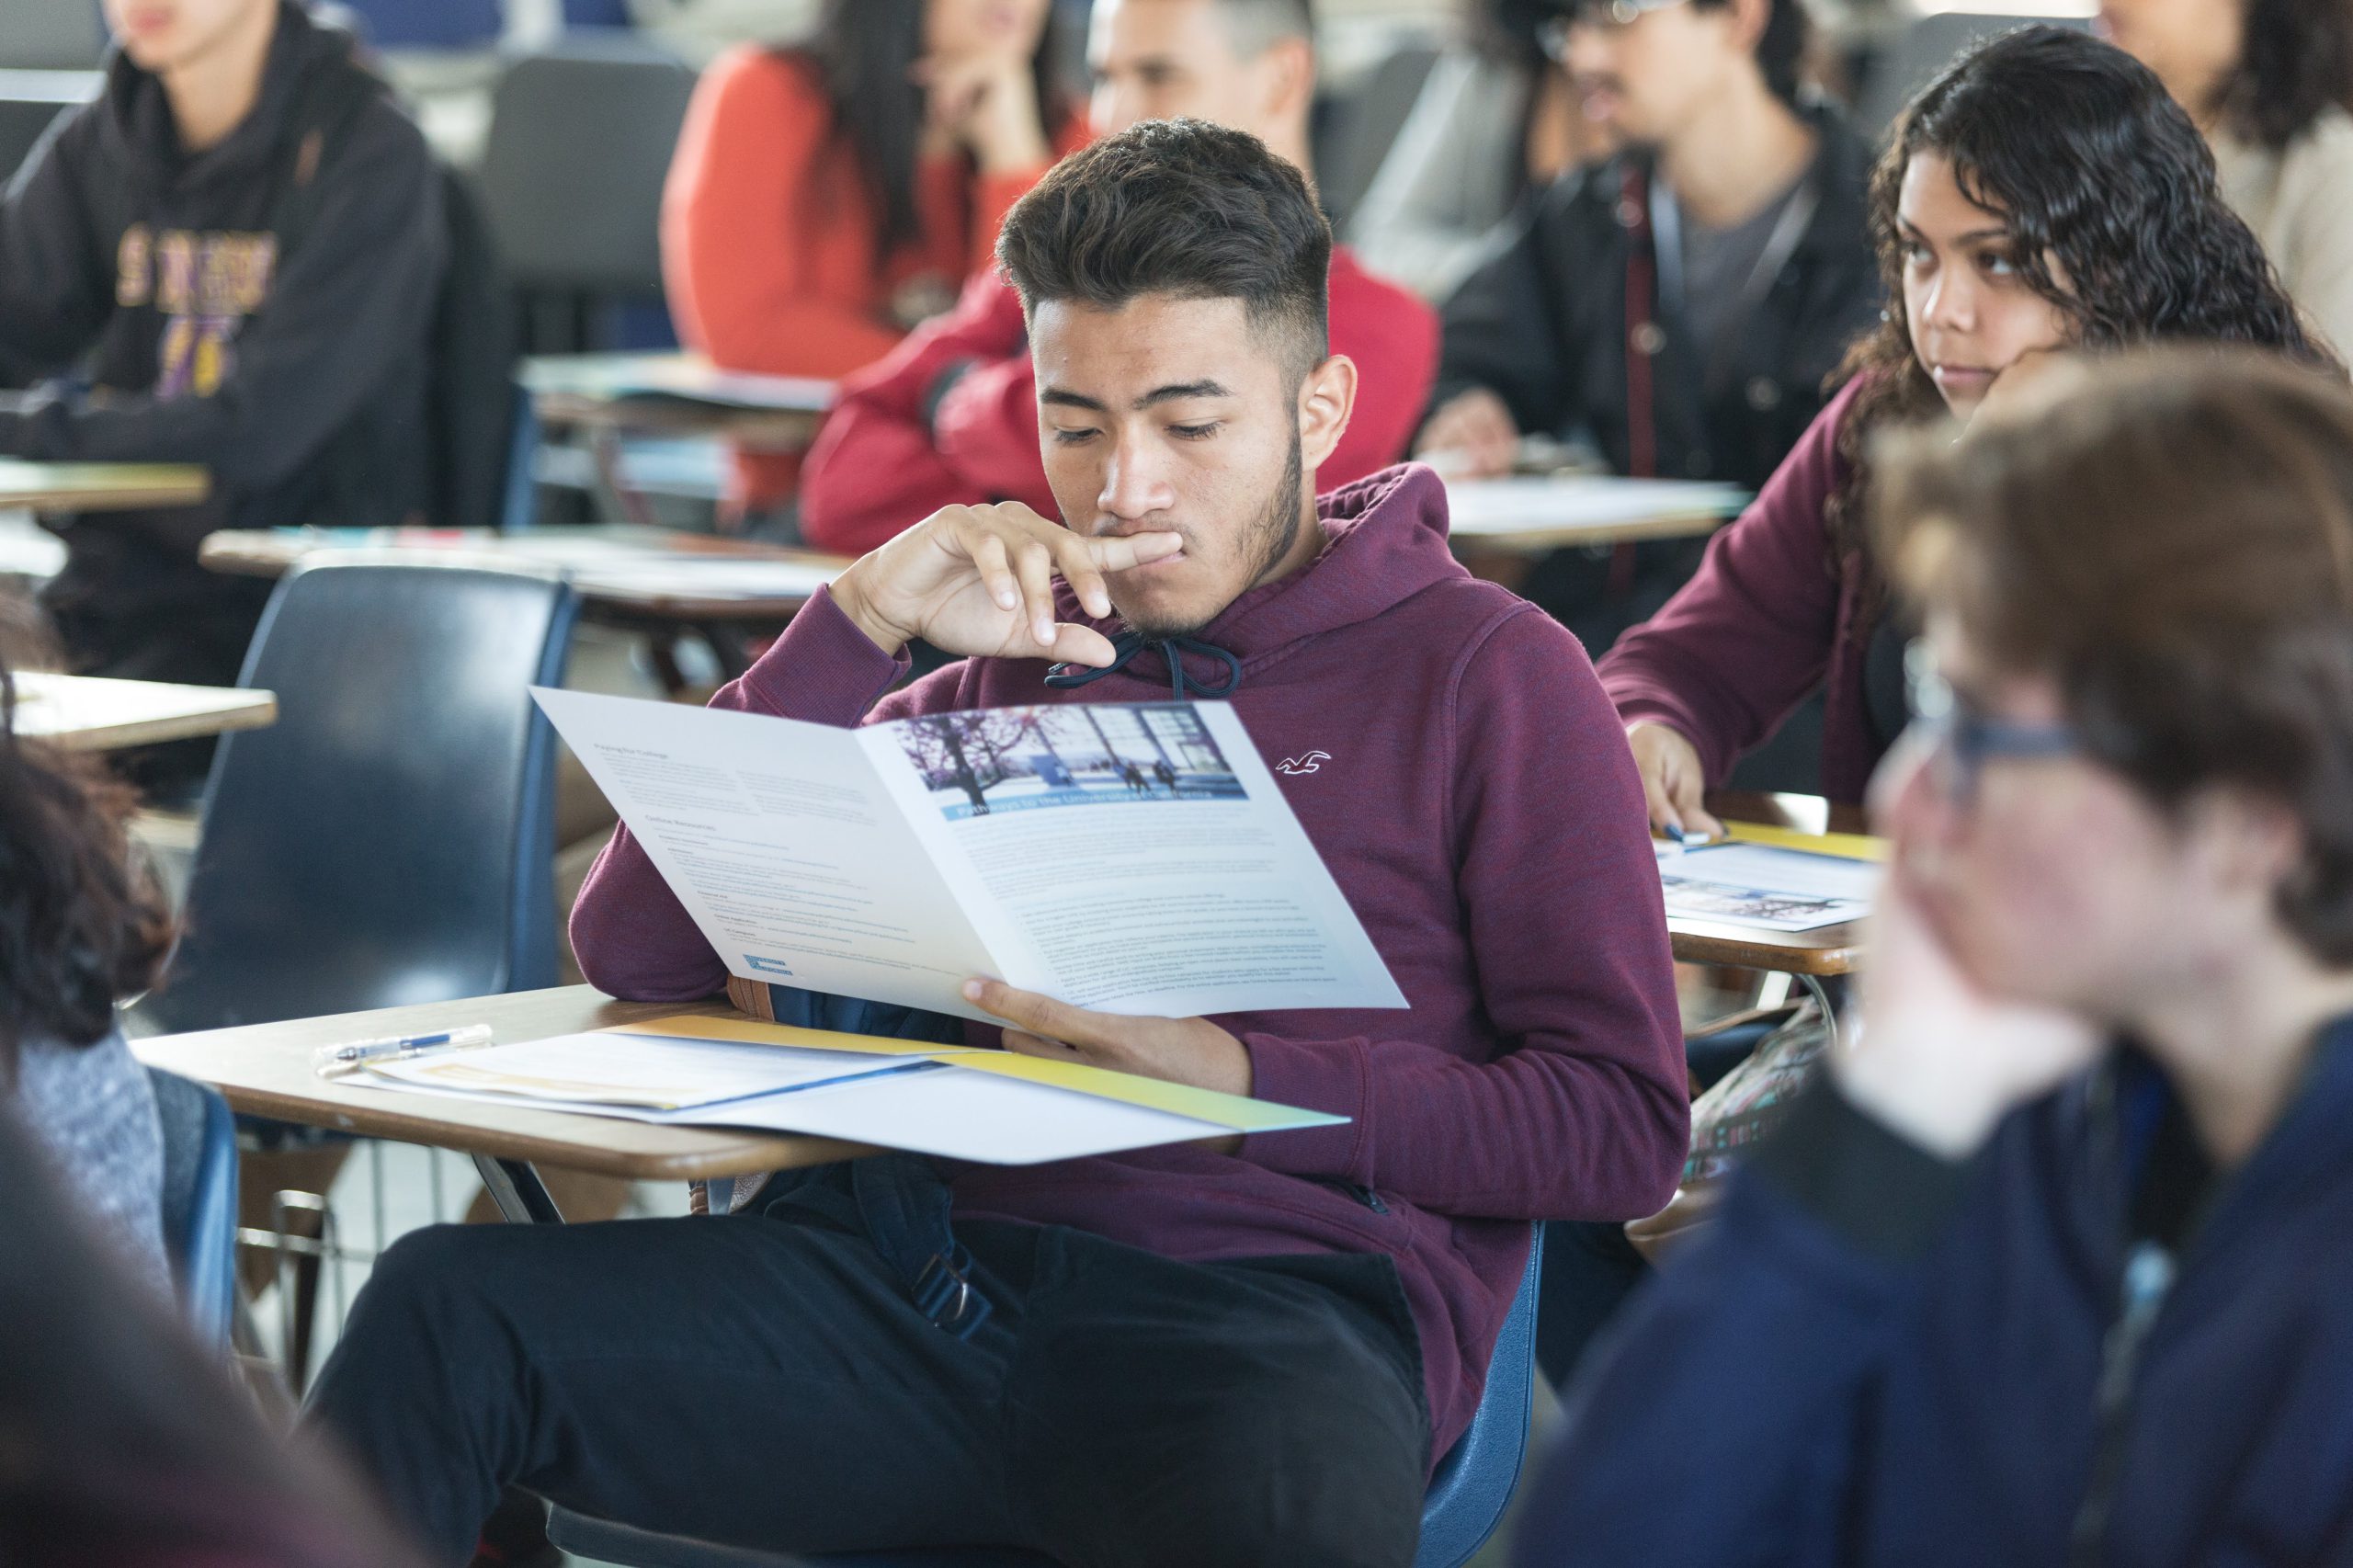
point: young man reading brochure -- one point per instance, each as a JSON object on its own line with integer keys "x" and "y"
{"x": 1251, "y": 1352}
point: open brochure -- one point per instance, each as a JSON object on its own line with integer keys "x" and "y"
{"x": 1766, "y": 886}
{"x": 1133, "y": 858}
{"x": 962, "y": 1103}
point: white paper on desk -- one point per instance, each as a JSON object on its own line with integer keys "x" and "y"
{"x": 1775, "y": 890}
{"x": 1133, "y": 859}
{"x": 645, "y": 1072}
{"x": 1476, "y": 506}
{"x": 715, "y": 577}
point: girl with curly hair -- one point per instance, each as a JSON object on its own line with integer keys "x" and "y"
{"x": 2270, "y": 83}
{"x": 78, "y": 929}
{"x": 2045, "y": 194}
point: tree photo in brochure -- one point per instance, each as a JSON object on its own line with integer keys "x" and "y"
{"x": 1006, "y": 759}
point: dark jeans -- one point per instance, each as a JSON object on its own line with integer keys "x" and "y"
{"x": 766, "y": 1383}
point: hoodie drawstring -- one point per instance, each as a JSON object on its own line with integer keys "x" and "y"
{"x": 1128, "y": 644}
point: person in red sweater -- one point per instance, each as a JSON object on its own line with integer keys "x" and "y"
{"x": 1250, "y": 1351}
{"x": 952, "y": 415}
{"x": 2044, "y": 193}
{"x": 823, "y": 199}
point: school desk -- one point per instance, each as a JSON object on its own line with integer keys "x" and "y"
{"x": 99, "y": 487}
{"x": 656, "y": 581}
{"x": 86, "y": 714}
{"x": 1534, "y": 515}
{"x": 266, "y": 1070}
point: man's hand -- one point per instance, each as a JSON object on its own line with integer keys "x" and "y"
{"x": 987, "y": 104}
{"x": 1176, "y": 1051}
{"x": 1673, "y": 781}
{"x": 1940, "y": 1060}
{"x": 1472, "y": 435}
{"x": 979, "y": 580}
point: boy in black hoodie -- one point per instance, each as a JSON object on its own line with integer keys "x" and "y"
{"x": 229, "y": 258}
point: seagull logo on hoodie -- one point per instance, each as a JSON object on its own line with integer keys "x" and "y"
{"x": 1312, "y": 761}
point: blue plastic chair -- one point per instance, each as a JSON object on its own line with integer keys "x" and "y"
{"x": 1464, "y": 1503}
{"x": 390, "y": 839}
{"x": 199, "y": 1200}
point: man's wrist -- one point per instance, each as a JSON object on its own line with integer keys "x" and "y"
{"x": 1931, "y": 1099}
{"x": 850, "y": 597}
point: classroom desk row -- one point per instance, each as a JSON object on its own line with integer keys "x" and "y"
{"x": 266, "y": 1070}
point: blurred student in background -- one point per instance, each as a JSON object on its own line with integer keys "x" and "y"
{"x": 827, "y": 197}
{"x": 2051, "y": 1268}
{"x": 952, "y": 417}
{"x": 1495, "y": 118}
{"x": 2044, "y": 192}
{"x": 2270, "y": 82}
{"x": 1679, "y": 306}
{"x": 231, "y": 257}
{"x": 124, "y": 1444}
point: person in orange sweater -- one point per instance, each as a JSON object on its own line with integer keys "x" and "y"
{"x": 824, "y": 199}
{"x": 951, "y": 416}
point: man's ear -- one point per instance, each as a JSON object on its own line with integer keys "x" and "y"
{"x": 1326, "y": 397}
{"x": 1287, "y": 71}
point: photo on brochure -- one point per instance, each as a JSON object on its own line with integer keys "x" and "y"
{"x": 987, "y": 761}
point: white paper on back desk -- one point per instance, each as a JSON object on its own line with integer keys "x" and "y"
{"x": 1133, "y": 858}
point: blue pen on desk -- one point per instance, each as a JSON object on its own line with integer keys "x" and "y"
{"x": 335, "y": 1060}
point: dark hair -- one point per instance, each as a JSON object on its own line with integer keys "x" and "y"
{"x": 1177, "y": 207}
{"x": 1780, "y": 48}
{"x": 2296, "y": 61}
{"x": 2169, "y": 537}
{"x": 864, "y": 50}
{"x": 2088, "y": 162}
{"x": 77, "y": 928}
{"x": 122, "y": 1439}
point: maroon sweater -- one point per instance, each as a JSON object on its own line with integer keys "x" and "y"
{"x": 1747, "y": 639}
{"x": 1459, "y": 769}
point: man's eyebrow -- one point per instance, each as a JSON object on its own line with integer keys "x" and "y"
{"x": 1179, "y": 391}
{"x": 1064, "y": 399}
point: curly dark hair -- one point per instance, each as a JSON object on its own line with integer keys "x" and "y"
{"x": 2090, "y": 163}
{"x": 78, "y": 926}
{"x": 2296, "y": 61}
{"x": 1182, "y": 208}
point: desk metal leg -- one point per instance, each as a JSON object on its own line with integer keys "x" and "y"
{"x": 522, "y": 1197}
{"x": 1821, "y": 995}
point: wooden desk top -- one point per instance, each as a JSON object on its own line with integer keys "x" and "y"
{"x": 648, "y": 573}
{"x": 1826, "y": 949}
{"x": 100, "y": 487}
{"x": 265, "y": 1070}
{"x": 1532, "y": 515}
{"x": 85, "y": 713}
{"x": 677, "y": 394}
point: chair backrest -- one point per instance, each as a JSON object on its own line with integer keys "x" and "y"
{"x": 390, "y": 838}
{"x": 52, "y": 35}
{"x": 580, "y": 142}
{"x": 1464, "y": 1504}
{"x": 1926, "y": 46}
{"x": 32, "y": 101}
{"x": 199, "y": 1198}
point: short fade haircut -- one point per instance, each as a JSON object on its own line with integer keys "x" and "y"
{"x": 1181, "y": 208}
{"x": 1257, "y": 26}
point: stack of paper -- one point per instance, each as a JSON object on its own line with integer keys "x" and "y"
{"x": 954, "y": 1101}
{"x": 1477, "y": 508}
{"x": 1765, "y": 886}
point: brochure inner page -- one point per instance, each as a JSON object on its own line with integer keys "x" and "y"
{"x": 783, "y": 844}
{"x": 1131, "y": 858}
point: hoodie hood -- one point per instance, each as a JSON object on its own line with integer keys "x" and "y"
{"x": 1385, "y": 543}
{"x": 142, "y": 140}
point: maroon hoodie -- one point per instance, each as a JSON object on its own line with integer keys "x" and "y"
{"x": 1761, "y": 622}
{"x": 1451, "y": 754}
